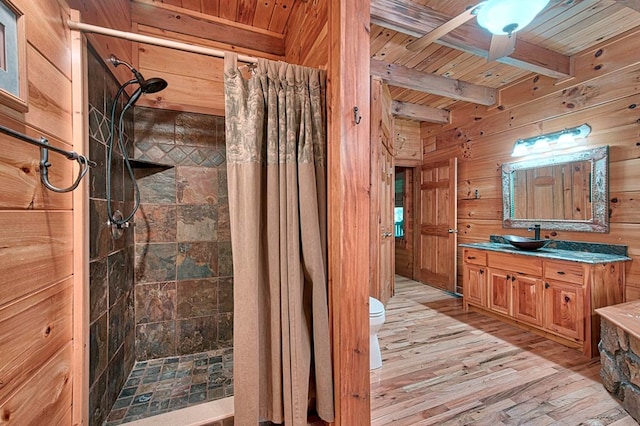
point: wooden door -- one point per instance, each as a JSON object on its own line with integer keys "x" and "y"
{"x": 563, "y": 309}
{"x": 386, "y": 230}
{"x": 527, "y": 300}
{"x": 500, "y": 291}
{"x": 474, "y": 286}
{"x": 382, "y": 239}
{"x": 437, "y": 241}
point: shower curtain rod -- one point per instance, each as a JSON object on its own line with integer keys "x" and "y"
{"x": 87, "y": 28}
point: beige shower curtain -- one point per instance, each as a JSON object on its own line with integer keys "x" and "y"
{"x": 275, "y": 138}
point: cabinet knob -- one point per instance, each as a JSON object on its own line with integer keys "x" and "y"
{"x": 546, "y": 285}
{"x": 481, "y": 271}
{"x": 471, "y": 257}
{"x": 508, "y": 277}
{"x": 560, "y": 272}
{"x": 567, "y": 299}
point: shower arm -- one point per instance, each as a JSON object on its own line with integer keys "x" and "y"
{"x": 44, "y": 146}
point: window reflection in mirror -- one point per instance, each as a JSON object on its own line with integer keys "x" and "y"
{"x": 561, "y": 192}
{"x": 398, "y": 210}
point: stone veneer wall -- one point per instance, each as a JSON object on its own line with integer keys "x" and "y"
{"x": 620, "y": 366}
{"x": 184, "y": 284}
{"x": 111, "y": 296}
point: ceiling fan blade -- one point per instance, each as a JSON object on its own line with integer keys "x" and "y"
{"x": 446, "y": 28}
{"x": 501, "y": 45}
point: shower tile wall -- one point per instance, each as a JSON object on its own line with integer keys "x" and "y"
{"x": 184, "y": 284}
{"x": 111, "y": 295}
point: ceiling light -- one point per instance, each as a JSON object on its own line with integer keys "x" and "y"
{"x": 557, "y": 140}
{"x": 503, "y": 17}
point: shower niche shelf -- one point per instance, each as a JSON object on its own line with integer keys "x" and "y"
{"x": 144, "y": 168}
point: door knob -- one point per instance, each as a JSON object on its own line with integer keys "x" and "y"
{"x": 453, "y": 231}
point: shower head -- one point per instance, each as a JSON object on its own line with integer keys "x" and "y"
{"x": 152, "y": 85}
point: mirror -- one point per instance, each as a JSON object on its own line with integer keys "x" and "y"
{"x": 567, "y": 192}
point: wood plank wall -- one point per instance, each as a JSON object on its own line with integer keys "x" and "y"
{"x": 407, "y": 144}
{"x": 114, "y": 14}
{"x": 307, "y": 34}
{"x": 603, "y": 94}
{"x": 36, "y": 260}
{"x": 199, "y": 87}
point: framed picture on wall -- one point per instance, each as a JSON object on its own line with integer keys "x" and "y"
{"x": 13, "y": 56}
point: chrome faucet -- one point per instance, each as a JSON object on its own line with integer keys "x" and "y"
{"x": 536, "y": 230}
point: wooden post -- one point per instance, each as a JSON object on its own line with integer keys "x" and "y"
{"x": 80, "y": 402}
{"x": 348, "y": 163}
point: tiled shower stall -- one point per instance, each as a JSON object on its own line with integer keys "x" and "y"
{"x": 161, "y": 295}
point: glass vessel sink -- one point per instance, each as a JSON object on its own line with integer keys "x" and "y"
{"x": 524, "y": 243}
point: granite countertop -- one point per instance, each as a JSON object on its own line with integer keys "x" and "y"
{"x": 552, "y": 253}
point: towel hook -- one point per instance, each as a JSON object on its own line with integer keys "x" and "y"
{"x": 356, "y": 116}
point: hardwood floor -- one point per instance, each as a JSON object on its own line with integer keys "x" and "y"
{"x": 444, "y": 366}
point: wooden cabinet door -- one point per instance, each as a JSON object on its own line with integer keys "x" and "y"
{"x": 475, "y": 285}
{"x": 527, "y": 299}
{"x": 564, "y": 309}
{"x": 500, "y": 283}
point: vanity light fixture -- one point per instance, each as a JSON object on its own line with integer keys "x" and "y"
{"x": 557, "y": 140}
{"x": 505, "y": 17}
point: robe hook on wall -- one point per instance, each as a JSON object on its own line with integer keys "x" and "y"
{"x": 43, "y": 143}
{"x": 356, "y": 115}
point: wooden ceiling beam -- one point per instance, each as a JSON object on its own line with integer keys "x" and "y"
{"x": 409, "y": 18}
{"x": 397, "y": 75}
{"x": 631, "y": 4}
{"x": 420, "y": 112}
{"x": 183, "y": 21}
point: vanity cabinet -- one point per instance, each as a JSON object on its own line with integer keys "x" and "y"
{"x": 474, "y": 270}
{"x": 555, "y": 298}
{"x": 564, "y": 299}
{"x": 516, "y": 295}
{"x": 564, "y": 304}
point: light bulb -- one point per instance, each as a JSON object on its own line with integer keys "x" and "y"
{"x": 566, "y": 140}
{"x": 540, "y": 145}
{"x": 520, "y": 149}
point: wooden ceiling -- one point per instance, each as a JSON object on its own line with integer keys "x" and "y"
{"x": 564, "y": 28}
{"x": 269, "y": 15}
{"x": 452, "y": 71}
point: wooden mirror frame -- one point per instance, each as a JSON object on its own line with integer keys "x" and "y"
{"x": 599, "y": 222}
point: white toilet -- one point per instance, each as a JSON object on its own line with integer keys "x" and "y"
{"x": 376, "y": 319}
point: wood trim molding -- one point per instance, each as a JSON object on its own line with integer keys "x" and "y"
{"x": 349, "y": 156}
{"x": 80, "y": 401}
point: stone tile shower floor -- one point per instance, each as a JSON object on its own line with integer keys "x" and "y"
{"x": 161, "y": 385}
